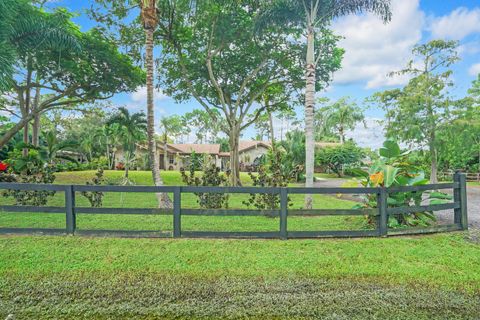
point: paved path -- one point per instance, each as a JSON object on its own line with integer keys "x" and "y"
{"x": 473, "y": 201}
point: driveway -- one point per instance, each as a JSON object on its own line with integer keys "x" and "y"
{"x": 473, "y": 201}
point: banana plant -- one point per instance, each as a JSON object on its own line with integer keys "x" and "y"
{"x": 393, "y": 168}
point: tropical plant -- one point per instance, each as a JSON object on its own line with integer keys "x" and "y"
{"x": 313, "y": 16}
{"x": 338, "y": 117}
{"x": 293, "y": 148}
{"x": 30, "y": 168}
{"x": 393, "y": 168}
{"x": 132, "y": 130}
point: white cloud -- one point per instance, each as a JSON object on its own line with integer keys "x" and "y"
{"x": 370, "y": 135}
{"x": 141, "y": 95}
{"x": 460, "y": 23}
{"x": 474, "y": 69}
{"x": 374, "y": 49}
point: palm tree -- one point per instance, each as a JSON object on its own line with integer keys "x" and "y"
{"x": 311, "y": 15}
{"x": 340, "y": 116}
{"x": 132, "y": 128}
{"x": 150, "y": 22}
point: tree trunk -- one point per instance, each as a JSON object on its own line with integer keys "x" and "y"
{"x": 309, "y": 114}
{"x": 270, "y": 123}
{"x": 36, "y": 120}
{"x": 234, "y": 138}
{"x": 163, "y": 199}
{"x": 14, "y": 130}
{"x": 433, "y": 167}
{"x": 342, "y": 135}
{"x": 36, "y": 131}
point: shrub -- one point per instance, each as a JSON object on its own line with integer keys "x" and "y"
{"x": 212, "y": 176}
{"x": 95, "y": 197}
{"x": 271, "y": 174}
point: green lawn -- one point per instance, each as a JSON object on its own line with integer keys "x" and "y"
{"x": 74, "y": 277}
{"x": 431, "y": 277}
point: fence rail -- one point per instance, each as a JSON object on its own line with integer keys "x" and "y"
{"x": 381, "y": 213}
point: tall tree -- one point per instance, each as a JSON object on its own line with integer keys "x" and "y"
{"x": 96, "y": 71}
{"x": 218, "y": 56}
{"x": 136, "y": 36}
{"x": 312, "y": 16}
{"x": 148, "y": 9}
{"x": 418, "y": 111}
{"x": 205, "y": 128}
{"x": 340, "y": 116}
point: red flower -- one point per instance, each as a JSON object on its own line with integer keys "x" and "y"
{"x": 3, "y": 167}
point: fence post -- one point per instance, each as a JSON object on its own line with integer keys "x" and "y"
{"x": 382, "y": 210}
{"x": 283, "y": 212}
{"x": 70, "y": 209}
{"x": 177, "y": 211}
{"x": 460, "y": 196}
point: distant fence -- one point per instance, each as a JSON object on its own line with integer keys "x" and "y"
{"x": 71, "y": 211}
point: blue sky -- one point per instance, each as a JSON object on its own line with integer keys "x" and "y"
{"x": 372, "y": 50}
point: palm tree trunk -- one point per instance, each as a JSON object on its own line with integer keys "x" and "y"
{"x": 309, "y": 114}
{"x": 342, "y": 135}
{"x": 163, "y": 199}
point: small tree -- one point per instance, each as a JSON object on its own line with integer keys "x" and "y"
{"x": 133, "y": 127}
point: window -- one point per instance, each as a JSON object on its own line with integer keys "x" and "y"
{"x": 171, "y": 159}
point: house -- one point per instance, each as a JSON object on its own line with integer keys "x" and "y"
{"x": 173, "y": 156}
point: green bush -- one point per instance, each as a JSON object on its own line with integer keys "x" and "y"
{"x": 272, "y": 173}
{"x": 337, "y": 158}
{"x": 211, "y": 176}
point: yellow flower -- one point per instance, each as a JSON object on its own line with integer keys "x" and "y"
{"x": 377, "y": 178}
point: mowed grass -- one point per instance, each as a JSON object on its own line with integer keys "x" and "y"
{"x": 431, "y": 277}
{"x": 77, "y": 277}
{"x": 165, "y": 223}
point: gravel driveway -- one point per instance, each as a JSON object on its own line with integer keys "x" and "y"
{"x": 473, "y": 201}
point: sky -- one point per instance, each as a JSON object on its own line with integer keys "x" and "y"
{"x": 372, "y": 50}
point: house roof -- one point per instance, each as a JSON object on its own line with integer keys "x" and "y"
{"x": 197, "y": 148}
{"x": 246, "y": 145}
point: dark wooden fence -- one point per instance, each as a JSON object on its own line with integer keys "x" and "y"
{"x": 459, "y": 206}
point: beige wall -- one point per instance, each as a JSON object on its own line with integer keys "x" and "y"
{"x": 247, "y": 157}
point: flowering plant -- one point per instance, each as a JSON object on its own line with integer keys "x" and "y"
{"x": 3, "y": 166}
